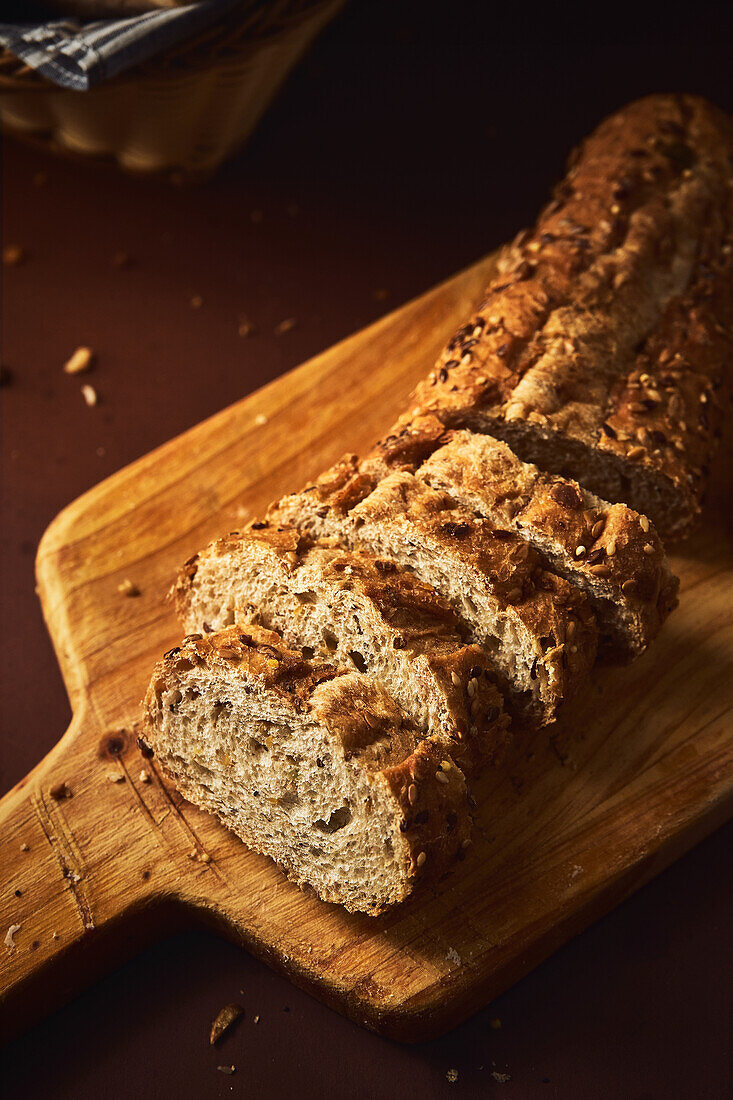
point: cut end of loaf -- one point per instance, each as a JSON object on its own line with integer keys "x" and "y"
{"x": 319, "y": 770}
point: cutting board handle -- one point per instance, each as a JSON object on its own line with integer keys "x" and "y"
{"x": 64, "y": 887}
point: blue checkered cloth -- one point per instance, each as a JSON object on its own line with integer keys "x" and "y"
{"x": 78, "y": 55}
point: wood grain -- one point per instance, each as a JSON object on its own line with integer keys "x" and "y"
{"x": 637, "y": 771}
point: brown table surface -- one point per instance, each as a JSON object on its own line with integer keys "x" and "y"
{"x": 405, "y": 146}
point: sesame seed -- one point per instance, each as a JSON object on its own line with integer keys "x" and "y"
{"x": 648, "y": 549}
{"x": 446, "y": 765}
{"x": 89, "y": 394}
{"x": 628, "y": 588}
{"x": 128, "y": 588}
{"x": 441, "y": 777}
{"x": 571, "y": 629}
{"x": 144, "y": 776}
{"x": 597, "y": 529}
{"x": 471, "y": 688}
{"x": 412, "y": 794}
{"x": 421, "y": 859}
{"x": 635, "y": 452}
{"x": 644, "y": 523}
{"x": 579, "y": 551}
{"x": 79, "y": 362}
{"x": 456, "y": 679}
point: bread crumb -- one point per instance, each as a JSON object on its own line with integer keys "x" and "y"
{"x": 144, "y": 776}
{"x": 13, "y": 255}
{"x": 285, "y": 326}
{"x": 196, "y": 301}
{"x": 128, "y": 588}
{"x": 227, "y": 1069}
{"x": 80, "y": 361}
{"x": 495, "y": 1023}
{"x": 501, "y": 1078}
{"x": 224, "y": 1020}
{"x": 453, "y": 956}
{"x": 260, "y": 420}
{"x": 89, "y": 394}
{"x": 115, "y": 777}
{"x": 452, "y": 1076}
{"x": 10, "y": 936}
{"x": 256, "y": 1019}
{"x": 25, "y": 847}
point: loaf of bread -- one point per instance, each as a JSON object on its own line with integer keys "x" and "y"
{"x": 364, "y": 613}
{"x": 316, "y": 768}
{"x": 602, "y": 347}
{"x": 475, "y": 545}
{"x": 537, "y": 629}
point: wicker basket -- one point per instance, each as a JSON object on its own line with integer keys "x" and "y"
{"x": 183, "y": 112}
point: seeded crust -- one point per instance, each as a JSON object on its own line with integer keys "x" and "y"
{"x": 537, "y": 628}
{"x": 601, "y": 346}
{"x": 316, "y": 768}
{"x": 609, "y": 551}
{"x": 362, "y": 611}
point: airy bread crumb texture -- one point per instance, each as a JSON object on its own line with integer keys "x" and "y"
{"x": 318, "y": 769}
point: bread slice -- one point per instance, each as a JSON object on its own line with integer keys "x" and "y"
{"x": 318, "y": 769}
{"x": 602, "y": 346}
{"x": 536, "y": 627}
{"x": 610, "y": 552}
{"x": 364, "y": 613}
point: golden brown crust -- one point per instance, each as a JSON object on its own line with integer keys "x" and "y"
{"x": 640, "y": 228}
{"x": 431, "y": 793}
{"x": 257, "y": 652}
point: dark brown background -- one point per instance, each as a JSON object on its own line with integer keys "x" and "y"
{"x": 410, "y": 143}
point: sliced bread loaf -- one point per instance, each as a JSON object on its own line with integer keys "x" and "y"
{"x": 536, "y": 627}
{"x": 317, "y": 769}
{"x": 362, "y": 611}
{"x": 610, "y": 552}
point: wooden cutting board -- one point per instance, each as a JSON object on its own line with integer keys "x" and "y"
{"x": 640, "y": 768}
